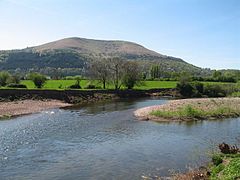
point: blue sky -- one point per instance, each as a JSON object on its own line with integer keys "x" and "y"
{"x": 205, "y": 33}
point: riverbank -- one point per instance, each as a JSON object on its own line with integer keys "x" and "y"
{"x": 17, "y": 108}
{"x": 81, "y": 96}
{"x": 224, "y": 165}
{"x": 191, "y": 109}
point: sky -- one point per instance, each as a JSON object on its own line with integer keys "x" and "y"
{"x": 205, "y": 33}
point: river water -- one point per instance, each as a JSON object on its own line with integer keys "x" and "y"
{"x": 105, "y": 141}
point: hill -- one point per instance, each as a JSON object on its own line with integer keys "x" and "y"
{"x": 71, "y": 55}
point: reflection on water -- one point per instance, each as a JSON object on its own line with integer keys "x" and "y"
{"x": 105, "y": 141}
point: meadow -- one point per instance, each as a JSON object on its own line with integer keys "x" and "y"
{"x": 145, "y": 85}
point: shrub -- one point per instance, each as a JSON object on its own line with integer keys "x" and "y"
{"x": 199, "y": 87}
{"x": 185, "y": 89}
{"x": 214, "y": 90}
{"x": 75, "y": 86}
{"x": 4, "y": 76}
{"x": 12, "y": 85}
{"x": 189, "y": 111}
{"x": 14, "y": 79}
{"x": 38, "y": 79}
{"x": 91, "y": 86}
{"x": 216, "y": 159}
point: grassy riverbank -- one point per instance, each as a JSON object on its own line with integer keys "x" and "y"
{"x": 192, "y": 109}
{"x": 225, "y": 165}
{"x": 229, "y": 168}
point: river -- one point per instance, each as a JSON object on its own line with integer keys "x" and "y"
{"x": 105, "y": 141}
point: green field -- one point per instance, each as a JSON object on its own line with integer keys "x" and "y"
{"x": 64, "y": 84}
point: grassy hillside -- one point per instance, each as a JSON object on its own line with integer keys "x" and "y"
{"x": 71, "y": 56}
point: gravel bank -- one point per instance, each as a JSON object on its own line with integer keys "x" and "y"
{"x": 16, "y": 108}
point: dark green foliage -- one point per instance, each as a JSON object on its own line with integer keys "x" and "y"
{"x": 38, "y": 79}
{"x": 185, "y": 89}
{"x": 129, "y": 81}
{"x": 155, "y": 72}
{"x": 132, "y": 74}
{"x": 91, "y": 86}
{"x": 199, "y": 87}
{"x": 75, "y": 86}
{"x": 214, "y": 90}
{"x": 4, "y": 76}
{"x": 184, "y": 86}
{"x": 14, "y": 79}
{"x": 16, "y": 85}
{"x": 217, "y": 159}
{"x": 226, "y": 76}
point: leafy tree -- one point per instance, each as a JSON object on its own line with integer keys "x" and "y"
{"x": 14, "y": 79}
{"x": 38, "y": 79}
{"x": 99, "y": 69}
{"x": 184, "y": 86}
{"x": 217, "y": 74}
{"x": 155, "y": 71}
{"x": 132, "y": 74}
{"x": 116, "y": 67}
{"x": 4, "y": 76}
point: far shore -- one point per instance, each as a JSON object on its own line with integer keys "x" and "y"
{"x": 23, "y": 107}
{"x": 191, "y": 109}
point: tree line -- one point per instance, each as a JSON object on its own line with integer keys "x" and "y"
{"x": 116, "y": 71}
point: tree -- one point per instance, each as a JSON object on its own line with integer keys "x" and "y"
{"x": 184, "y": 86}
{"x": 132, "y": 74}
{"x": 38, "y": 79}
{"x": 155, "y": 71}
{"x": 217, "y": 74}
{"x": 116, "y": 71}
{"x": 99, "y": 69}
{"x": 116, "y": 67}
{"x": 4, "y": 76}
{"x": 14, "y": 79}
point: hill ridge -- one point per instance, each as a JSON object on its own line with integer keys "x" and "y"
{"x": 76, "y": 53}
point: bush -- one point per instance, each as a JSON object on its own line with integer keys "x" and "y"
{"x": 14, "y": 79}
{"x": 216, "y": 159}
{"x": 75, "y": 86}
{"x": 91, "y": 86}
{"x": 12, "y": 85}
{"x": 214, "y": 90}
{"x": 4, "y": 76}
{"x": 185, "y": 89}
{"x": 38, "y": 79}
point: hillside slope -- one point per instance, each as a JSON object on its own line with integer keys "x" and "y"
{"x": 73, "y": 54}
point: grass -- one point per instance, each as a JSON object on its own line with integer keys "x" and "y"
{"x": 157, "y": 84}
{"x": 228, "y": 170}
{"x": 145, "y": 85}
{"x": 200, "y": 109}
{"x": 236, "y": 94}
{"x": 195, "y": 113}
{"x": 64, "y": 84}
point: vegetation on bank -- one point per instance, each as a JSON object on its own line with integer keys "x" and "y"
{"x": 117, "y": 73}
{"x": 225, "y": 167}
{"x": 226, "y": 164}
{"x": 191, "y": 89}
{"x": 192, "y": 109}
{"x": 189, "y": 112}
